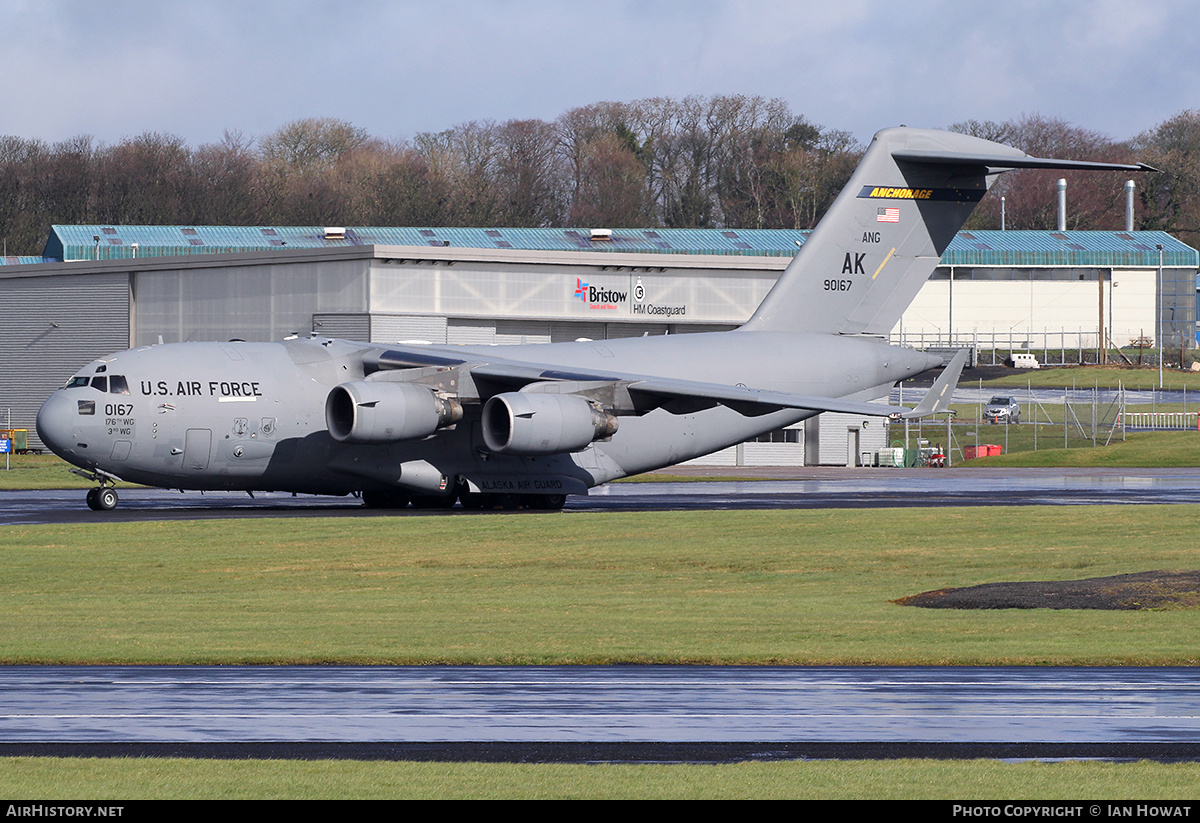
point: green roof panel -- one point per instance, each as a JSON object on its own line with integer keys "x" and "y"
{"x": 969, "y": 248}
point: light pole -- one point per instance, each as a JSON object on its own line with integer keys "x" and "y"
{"x": 1159, "y": 300}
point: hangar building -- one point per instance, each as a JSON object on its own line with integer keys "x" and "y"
{"x": 99, "y": 289}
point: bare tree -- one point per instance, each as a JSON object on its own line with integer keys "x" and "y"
{"x": 28, "y": 191}
{"x": 751, "y": 133}
{"x": 529, "y": 174}
{"x": 465, "y": 157}
{"x": 803, "y": 178}
{"x": 407, "y": 191}
{"x": 612, "y": 186}
{"x": 311, "y": 144}
{"x": 227, "y": 177}
{"x": 1170, "y": 197}
{"x": 722, "y": 161}
{"x": 1095, "y": 200}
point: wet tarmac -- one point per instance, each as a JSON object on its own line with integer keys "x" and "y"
{"x": 767, "y": 488}
{"x": 581, "y": 713}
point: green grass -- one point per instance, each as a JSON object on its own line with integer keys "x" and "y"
{"x": 803, "y": 587}
{"x": 1157, "y": 449}
{"x": 1052, "y": 414}
{"x": 725, "y": 587}
{"x": 1106, "y": 377}
{"x": 1167, "y": 450}
{"x": 116, "y": 779}
{"x": 39, "y": 471}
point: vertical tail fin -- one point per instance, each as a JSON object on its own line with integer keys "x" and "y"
{"x": 885, "y": 233}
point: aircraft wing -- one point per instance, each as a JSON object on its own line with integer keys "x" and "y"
{"x": 686, "y": 396}
{"x": 637, "y": 394}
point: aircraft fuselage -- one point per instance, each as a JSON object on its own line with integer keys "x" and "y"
{"x": 497, "y": 424}
{"x": 252, "y": 416}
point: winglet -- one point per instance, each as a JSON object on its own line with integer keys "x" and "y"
{"x": 937, "y": 400}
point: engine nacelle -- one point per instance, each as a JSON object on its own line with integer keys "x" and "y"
{"x": 533, "y": 423}
{"x": 382, "y": 412}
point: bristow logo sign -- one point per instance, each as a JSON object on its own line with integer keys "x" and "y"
{"x": 599, "y": 298}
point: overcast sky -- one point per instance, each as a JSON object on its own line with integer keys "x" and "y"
{"x": 118, "y": 69}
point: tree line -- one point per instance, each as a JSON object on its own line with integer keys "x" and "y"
{"x": 726, "y": 161}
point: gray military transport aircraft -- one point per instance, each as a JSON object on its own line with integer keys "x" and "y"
{"x": 512, "y": 426}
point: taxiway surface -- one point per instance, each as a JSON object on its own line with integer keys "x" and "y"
{"x": 574, "y": 713}
{"x": 770, "y": 489}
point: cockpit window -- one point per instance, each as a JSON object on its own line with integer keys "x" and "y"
{"x": 100, "y": 383}
{"x": 77, "y": 382}
{"x": 117, "y": 384}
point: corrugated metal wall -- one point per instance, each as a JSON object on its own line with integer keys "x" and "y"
{"x": 52, "y": 326}
{"x": 381, "y": 328}
{"x": 834, "y": 442}
{"x": 387, "y": 328}
{"x": 260, "y": 302}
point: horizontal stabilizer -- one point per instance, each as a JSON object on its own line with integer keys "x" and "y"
{"x": 937, "y": 399}
{"x": 999, "y": 162}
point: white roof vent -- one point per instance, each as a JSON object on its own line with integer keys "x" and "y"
{"x": 601, "y": 234}
{"x": 335, "y": 232}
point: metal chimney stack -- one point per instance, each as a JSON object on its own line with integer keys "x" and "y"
{"x": 1128, "y": 205}
{"x": 1062, "y": 204}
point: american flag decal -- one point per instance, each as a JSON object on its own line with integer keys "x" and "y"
{"x": 888, "y": 215}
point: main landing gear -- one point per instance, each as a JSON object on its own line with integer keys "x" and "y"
{"x": 513, "y": 502}
{"x": 103, "y": 498}
{"x": 469, "y": 500}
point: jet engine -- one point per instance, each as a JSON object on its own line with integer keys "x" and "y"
{"x": 369, "y": 412}
{"x": 532, "y": 423}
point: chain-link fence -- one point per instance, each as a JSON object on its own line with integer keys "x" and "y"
{"x": 1041, "y": 419}
{"x": 1054, "y": 348}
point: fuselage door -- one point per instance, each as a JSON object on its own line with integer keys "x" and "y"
{"x": 196, "y": 449}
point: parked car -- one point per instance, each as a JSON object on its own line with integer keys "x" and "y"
{"x": 1002, "y": 409}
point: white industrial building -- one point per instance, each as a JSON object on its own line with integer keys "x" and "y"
{"x": 104, "y": 288}
{"x": 1045, "y": 290}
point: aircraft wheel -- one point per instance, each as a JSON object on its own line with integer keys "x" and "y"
{"x": 106, "y": 499}
{"x": 91, "y": 500}
{"x": 434, "y": 501}
{"x": 547, "y": 502}
{"x": 505, "y": 501}
{"x": 384, "y": 500}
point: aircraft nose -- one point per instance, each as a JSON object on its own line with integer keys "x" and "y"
{"x": 55, "y": 423}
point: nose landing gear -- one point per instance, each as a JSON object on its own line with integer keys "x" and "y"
{"x": 103, "y": 498}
